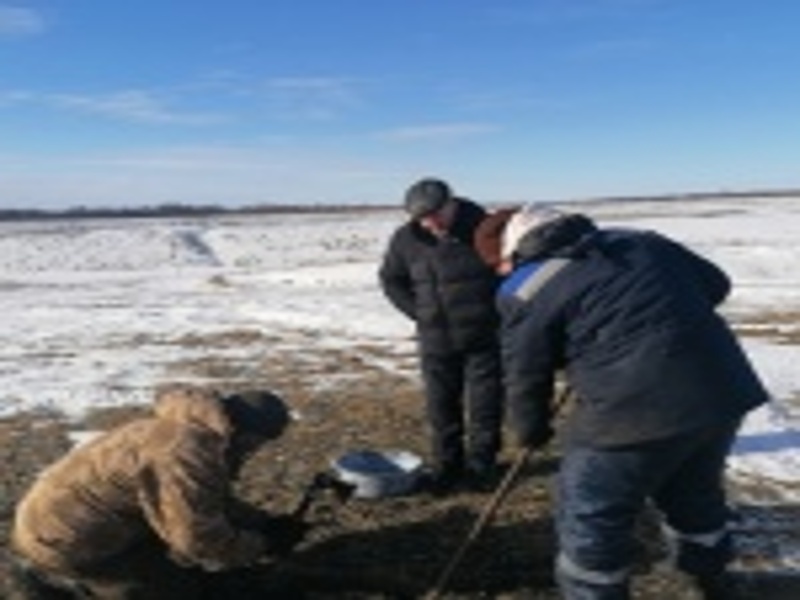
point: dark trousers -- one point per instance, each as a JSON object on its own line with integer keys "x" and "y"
{"x": 464, "y": 396}
{"x": 601, "y": 492}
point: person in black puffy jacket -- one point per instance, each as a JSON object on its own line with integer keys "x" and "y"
{"x": 661, "y": 385}
{"x": 432, "y": 273}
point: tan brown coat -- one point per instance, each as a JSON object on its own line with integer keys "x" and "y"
{"x": 165, "y": 475}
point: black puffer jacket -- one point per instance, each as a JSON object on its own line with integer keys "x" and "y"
{"x": 443, "y": 285}
{"x": 631, "y": 319}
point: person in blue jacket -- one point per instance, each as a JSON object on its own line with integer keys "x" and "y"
{"x": 629, "y": 319}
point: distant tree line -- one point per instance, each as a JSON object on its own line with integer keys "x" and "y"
{"x": 176, "y": 210}
{"x": 785, "y": 193}
{"x": 195, "y": 210}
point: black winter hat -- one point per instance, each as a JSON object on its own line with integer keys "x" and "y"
{"x": 257, "y": 412}
{"x": 427, "y": 196}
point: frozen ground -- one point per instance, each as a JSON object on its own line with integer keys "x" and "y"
{"x": 96, "y": 313}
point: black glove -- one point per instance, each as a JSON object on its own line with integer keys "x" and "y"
{"x": 246, "y": 516}
{"x": 534, "y": 437}
{"x": 283, "y": 533}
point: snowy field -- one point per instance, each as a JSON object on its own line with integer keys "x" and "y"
{"x": 97, "y": 313}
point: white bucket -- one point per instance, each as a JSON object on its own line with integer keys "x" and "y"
{"x": 377, "y": 474}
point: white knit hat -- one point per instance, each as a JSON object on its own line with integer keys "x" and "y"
{"x": 527, "y": 218}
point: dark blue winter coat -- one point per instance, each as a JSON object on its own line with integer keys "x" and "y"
{"x": 631, "y": 321}
{"x": 442, "y": 284}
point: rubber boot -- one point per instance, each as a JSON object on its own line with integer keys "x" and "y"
{"x": 575, "y": 589}
{"x": 718, "y": 587}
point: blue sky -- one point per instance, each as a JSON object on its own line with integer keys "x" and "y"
{"x": 235, "y": 102}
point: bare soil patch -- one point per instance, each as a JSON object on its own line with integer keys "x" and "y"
{"x": 388, "y": 548}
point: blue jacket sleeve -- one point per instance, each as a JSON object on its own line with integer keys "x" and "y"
{"x": 530, "y": 361}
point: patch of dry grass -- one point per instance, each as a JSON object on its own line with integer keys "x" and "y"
{"x": 782, "y": 327}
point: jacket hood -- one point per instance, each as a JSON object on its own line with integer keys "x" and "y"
{"x": 566, "y": 236}
{"x": 194, "y": 406}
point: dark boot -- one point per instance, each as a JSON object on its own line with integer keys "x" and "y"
{"x": 581, "y": 590}
{"x": 484, "y": 476}
{"x": 441, "y": 481}
{"x": 718, "y": 587}
{"x": 575, "y": 587}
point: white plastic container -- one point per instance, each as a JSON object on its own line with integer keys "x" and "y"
{"x": 377, "y": 474}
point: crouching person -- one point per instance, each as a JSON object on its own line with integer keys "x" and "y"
{"x": 146, "y": 510}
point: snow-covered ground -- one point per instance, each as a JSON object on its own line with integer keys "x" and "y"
{"x": 96, "y": 313}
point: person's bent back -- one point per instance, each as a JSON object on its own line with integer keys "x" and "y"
{"x": 162, "y": 482}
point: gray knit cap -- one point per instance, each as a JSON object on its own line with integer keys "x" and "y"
{"x": 427, "y": 196}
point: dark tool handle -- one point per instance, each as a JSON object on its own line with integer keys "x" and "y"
{"x": 320, "y": 482}
{"x": 301, "y": 509}
{"x": 488, "y": 512}
{"x": 499, "y": 495}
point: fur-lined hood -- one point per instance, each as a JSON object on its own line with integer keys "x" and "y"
{"x": 192, "y": 406}
{"x": 567, "y": 235}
